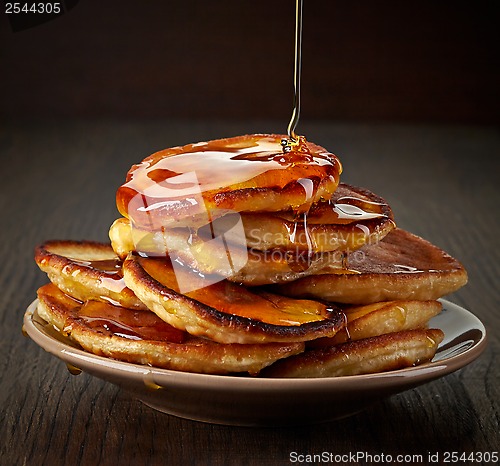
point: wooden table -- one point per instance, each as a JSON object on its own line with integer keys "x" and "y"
{"x": 59, "y": 181}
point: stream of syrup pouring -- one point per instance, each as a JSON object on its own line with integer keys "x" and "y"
{"x": 294, "y": 142}
{"x": 292, "y": 126}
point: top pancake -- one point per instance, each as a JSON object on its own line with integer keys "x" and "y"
{"x": 401, "y": 266}
{"x": 193, "y": 184}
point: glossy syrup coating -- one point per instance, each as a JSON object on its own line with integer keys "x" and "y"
{"x": 143, "y": 338}
{"x": 193, "y": 184}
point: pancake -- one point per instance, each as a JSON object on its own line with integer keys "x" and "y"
{"x": 194, "y": 184}
{"x": 205, "y": 225}
{"x": 380, "y": 318}
{"x": 141, "y": 337}
{"x": 371, "y": 355}
{"x": 402, "y": 266}
{"x": 86, "y": 269}
{"x": 226, "y": 312}
{"x": 352, "y": 218}
{"x": 238, "y": 264}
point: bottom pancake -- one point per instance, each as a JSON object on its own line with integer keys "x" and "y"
{"x": 141, "y": 337}
{"x": 376, "y": 319}
{"x": 371, "y": 355}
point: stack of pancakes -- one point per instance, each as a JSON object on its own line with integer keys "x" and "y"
{"x": 246, "y": 255}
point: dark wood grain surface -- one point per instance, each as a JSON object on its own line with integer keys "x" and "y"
{"x": 59, "y": 181}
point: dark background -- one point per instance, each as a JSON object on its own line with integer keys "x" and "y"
{"x": 384, "y": 61}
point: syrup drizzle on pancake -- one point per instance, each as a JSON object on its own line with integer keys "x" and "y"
{"x": 109, "y": 319}
{"x": 126, "y": 323}
{"x": 112, "y": 275}
{"x": 235, "y": 299}
{"x": 198, "y": 171}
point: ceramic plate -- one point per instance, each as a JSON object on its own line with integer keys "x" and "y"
{"x": 260, "y": 401}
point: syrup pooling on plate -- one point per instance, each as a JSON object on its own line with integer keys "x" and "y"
{"x": 189, "y": 184}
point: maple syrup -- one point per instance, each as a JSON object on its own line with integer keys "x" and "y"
{"x": 232, "y": 298}
{"x": 150, "y": 383}
{"x": 295, "y": 142}
{"x": 110, "y": 271}
{"x": 112, "y": 267}
{"x": 431, "y": 343}
{"x": 345, "y": 260}
{"x": 73, "y": 370}
{"x": 292, "y": 126}
{"x": 127, "y": 323}
{"x": 182, "y": 183}
{"x": 193, "y": 185}
{"x": 400, "y": 314}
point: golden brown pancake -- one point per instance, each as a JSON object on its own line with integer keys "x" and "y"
{"x": 206, "y": 221}
{"x": 371, "y": 320}
{"x": 90, "y": 268}
{"x": 255, "y": 267}
{"x": 141, "y": 337}
{"x": 86, "y": 269}
{"x": 352, "y": 218}
{"x": 196, "y": 183}
{"x": 371, "y": 355}
{"x": 227, "y": 312}
{"x": 402, "y": 266}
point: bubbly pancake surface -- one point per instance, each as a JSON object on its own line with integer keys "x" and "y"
{"x": 141, "y": 337}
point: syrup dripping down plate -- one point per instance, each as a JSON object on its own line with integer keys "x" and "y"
{"x": 253, "y": 401}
